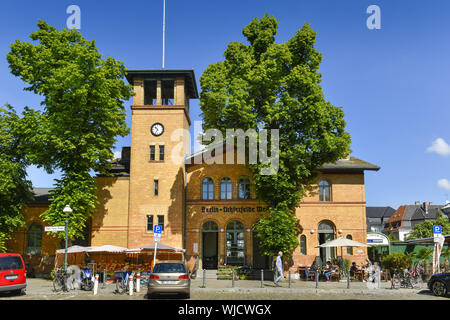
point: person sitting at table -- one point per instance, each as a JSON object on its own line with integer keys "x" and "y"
{"x": 329, "y": 270}
{"x": 354, "y": 269}
{"x": 312, "y": 268}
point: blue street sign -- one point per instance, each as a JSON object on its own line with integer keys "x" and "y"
{"x": 157, "y": 229}
{"x": 437, "y": 229}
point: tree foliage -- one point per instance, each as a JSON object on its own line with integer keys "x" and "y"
{"x": 425, "y": 229}
{"x": 83, "y": 113}
{"x": 265, "y": 85}
{"x": 14, "y": 186}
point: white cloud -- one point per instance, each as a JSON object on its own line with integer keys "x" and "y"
{"x": 117, "y": 154}
{"x": 444, "y": 184}
{"x": 440, "y": 147}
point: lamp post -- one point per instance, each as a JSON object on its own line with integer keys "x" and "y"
{"x": 67, "y": 210}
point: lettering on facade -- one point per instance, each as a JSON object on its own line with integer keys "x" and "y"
{"x": 233, "y": 209}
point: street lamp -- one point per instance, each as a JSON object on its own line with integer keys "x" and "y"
{"x": 67, "y": 210}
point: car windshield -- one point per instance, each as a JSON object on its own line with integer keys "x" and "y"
{"x": 10, "y": 263}
{"x": 169, "y": 268}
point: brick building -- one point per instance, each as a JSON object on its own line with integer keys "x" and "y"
{"x": 208, "y": 209}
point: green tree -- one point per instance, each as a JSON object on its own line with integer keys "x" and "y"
{"x": 15, "y": 189}
{"x": 83, "y": 113}
{"x": 425, "y": 229}
{"x": 265, "y": 85}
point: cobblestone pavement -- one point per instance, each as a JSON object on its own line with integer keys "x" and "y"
{"x": 40, "y": 289}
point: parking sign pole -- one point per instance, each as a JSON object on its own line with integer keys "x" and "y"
{"x": 154, "y": 255}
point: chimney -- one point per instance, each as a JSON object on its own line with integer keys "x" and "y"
{"x": 425, "y": 207}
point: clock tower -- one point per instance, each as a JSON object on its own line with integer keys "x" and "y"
{"x": 160, "y": 113}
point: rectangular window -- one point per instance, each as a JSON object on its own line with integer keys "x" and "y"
{"x": 150, "y": 223}
{"x": 150, "y": 92}
{"x": 167, "y": 92}
{"x": 161, "y": 153}
{"x": 156, "y": 186}
{"x": 152, "y": 153}
{"x": 161, "y": 222}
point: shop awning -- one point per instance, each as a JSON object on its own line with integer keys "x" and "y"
{"x": 151, "y": 247}
{"x": 105, "y": 248}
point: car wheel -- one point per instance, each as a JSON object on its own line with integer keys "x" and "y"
{"x": 439, "y": 288}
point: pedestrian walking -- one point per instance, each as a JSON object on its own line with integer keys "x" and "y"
{"x": 278, "y": 268}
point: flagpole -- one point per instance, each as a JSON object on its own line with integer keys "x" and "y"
{"x": 164, "y": 32}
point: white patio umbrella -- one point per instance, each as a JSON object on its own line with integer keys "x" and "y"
{"x": 342, "y": 242}
{"x": 74, "y": 249}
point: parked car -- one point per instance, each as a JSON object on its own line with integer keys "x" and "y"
{"x": 439, "y": 284}
{"x": 12, "y": 273}
{"x": 169, "y": 277}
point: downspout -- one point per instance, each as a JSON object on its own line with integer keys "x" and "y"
{"x": 185, "y": 211}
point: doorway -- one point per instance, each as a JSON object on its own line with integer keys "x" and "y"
{"x": 260, "y": 261}
{"x": 326, "y": 233}
{"x": 210, "y": 241}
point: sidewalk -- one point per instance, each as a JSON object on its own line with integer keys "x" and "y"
{"x": 297, "y": 286}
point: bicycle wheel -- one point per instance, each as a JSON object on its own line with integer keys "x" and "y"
{"x": 58, "y": 283}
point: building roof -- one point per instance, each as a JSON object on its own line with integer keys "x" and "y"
{"x": 349, "y": 164}
{"x": 379, "y": 212}
{"x": 41, "y": 196}
{"x": 409, "y": 215}
{"x": 187, "y": 74}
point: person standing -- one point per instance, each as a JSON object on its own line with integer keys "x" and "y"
{"x": 279, "y": 268}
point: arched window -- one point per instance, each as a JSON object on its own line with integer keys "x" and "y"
{"x": 303, "y": 245}
{"x": 34, "y": 239}
{"x": 244, "y": 188}
{"x": 225, "y": 189}
{"x": 324, "y": 191}
{"x": 210, "y": 226}
{"x": 208, "y": 189}
{"x": 349, "y": 249}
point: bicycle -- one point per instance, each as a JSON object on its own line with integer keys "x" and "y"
{"x": 60, "y": 281}
{"x": 122, "y": 281}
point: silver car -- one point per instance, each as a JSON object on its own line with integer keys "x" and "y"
{"x": 169, "y": 277}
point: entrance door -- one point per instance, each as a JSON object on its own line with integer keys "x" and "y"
{"x": 210, "y": 242}
{"x": 235, "y": 245}
{"x": 259, "y": 261}
{"x": 326, "y": 233}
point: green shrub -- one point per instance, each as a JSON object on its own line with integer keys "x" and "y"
{"x": 395, "y": 260}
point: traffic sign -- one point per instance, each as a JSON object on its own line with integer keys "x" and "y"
{"x": 157, "y": 237}
{"x": 157, "y": 229}
{"x": 437, "y": 229}
{"x": 55, "y": 228}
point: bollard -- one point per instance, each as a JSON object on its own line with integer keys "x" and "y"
{"x": 138, "y": 282}
{"x": 96, "y": 285}
{"x": 317, "y": 279}
{"x": 204, "y": 278}
{"x": 262, "y": 278}
{"x": 289, "y": 276}
{"x": 348, "y": 279}
{"x": 232, "y": 279}
{"x": 130, "y": 284}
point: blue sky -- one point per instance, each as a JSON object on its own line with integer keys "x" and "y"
{"x": 392, "y": 83}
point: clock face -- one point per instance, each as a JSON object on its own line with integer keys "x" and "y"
{"x": 157, "y": 129}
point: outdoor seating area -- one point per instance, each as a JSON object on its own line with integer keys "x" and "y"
{"x": 111, "y": 259}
